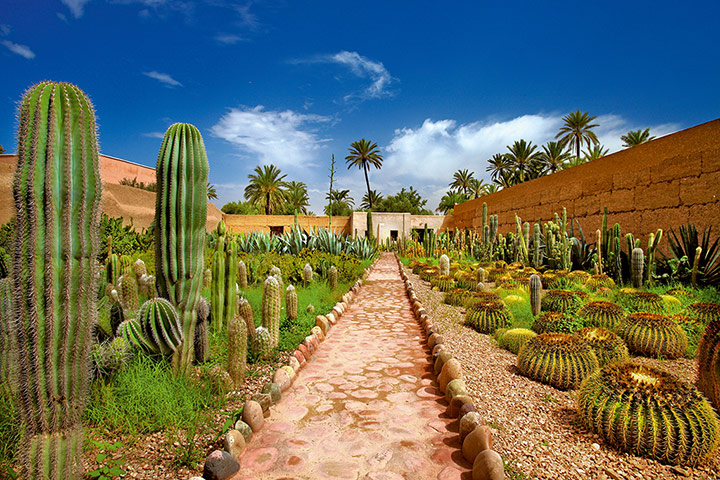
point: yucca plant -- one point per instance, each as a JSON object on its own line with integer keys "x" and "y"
{"x": 608, "y": 347}
{"x": 557, "y": 359}
{"x": 601, "y": 314}
{"x": 645, "y": 411}
{"x": 653, "y": 335}
{"x": 686, "y": 246}
{"x": 486, "y": 317}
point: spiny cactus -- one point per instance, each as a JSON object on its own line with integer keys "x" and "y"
{"x": 146, "y": 285}
{"x": 535, "y": 288}
{"x": 180, "y": 217}
{"x": 642, "y": 302}
{"x": 704, "y": 312}
{"x": 601, "y": 314}
{"x": 139, "y": 268}
{"x": 653, "y": 335}
{"x": 246, "y": 312}
{"x": 444, "y": 264}
{"x": 708, "y": 380}
{"x": 680, "y": 293}
{"x": 112, "y": 268}
{"x": 637, "y": 267}
{"x": 207, "y": 278}
{"x": 131, "y": 331}
{"x": 111, "y": 356}
{"x": 457, "y": 296}
{"x": 230, "y": 297}
{"x": 333, "y": 277}
{"x": 7, "y": 349}
{"x": 161, "y": 326}
{"x": 202, "y": 331}
{"x": 608, "y": 347}
{"x": 242, "y": 275}
{"x": 307, "y": 274}
{"x": 237, "y": 350}
{"x": 555, "y": 322}
{"x": 57, "y": 192}
{"x": 271, "y": 304}
{"x": 442, "y": 283}
{"x": 429, "y": 273}
{"x": 128, "y": 294}
{"x": 291, "y": 302}
{"x": 4, "y": 263}
{"x": 117, "y": 315}
{"x": 566, "y": 301}
{"x": 515, "y": 338}
{"x": 648, "y": 412}
{"x": 261, "y": 346}
{"x": 557, "y": 359}
{"x": 579, "y": 277}
{"x": 481, "y": 297}
{"x": 217, "y": 289}
{"x": 126, "y": 265}
{"x": 599, "y": 280}
{"x": 486, "y": 317}
{"x": 480, "y": 274}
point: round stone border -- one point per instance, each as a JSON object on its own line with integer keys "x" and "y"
{"x": 475, "y": 437}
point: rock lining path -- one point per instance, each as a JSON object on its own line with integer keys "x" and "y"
{"x": 367, "y": 405}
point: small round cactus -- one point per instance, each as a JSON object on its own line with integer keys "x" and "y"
{"x": 515, "y": 338}
{"x": 557, "y": 359}
{"x": 443, "y": 283}
{"x": 555, "y": 322}
{"x": 597, "y": 281}
{"x": 161, "y": 325}
{"x": 486, "y": 317}
{"x": 704, "y": 312}
{"x": 601, "y": 314}
{"x": 566, "y": 301}
{"x": 653, "y": 335}
{"x": 608, "y": 347}
{"x": 642, "y": 302}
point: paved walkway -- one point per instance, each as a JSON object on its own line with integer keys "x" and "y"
{"x": 366, "y": 406}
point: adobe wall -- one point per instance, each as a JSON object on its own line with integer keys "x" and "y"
{"x": 671, "y": 181}
{"x": 262, "y": 223}
{"x": 385, "y": 222}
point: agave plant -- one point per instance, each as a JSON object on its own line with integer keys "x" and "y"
{"x": 685, "y": 247}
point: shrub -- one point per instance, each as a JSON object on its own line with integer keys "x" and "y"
{"x": 557, "y": 359}
{"x": 653, "y": 335}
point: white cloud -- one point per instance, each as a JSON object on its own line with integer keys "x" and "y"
{"x": 154, "y": 134}
{"x": 5, "y": 30}
{"x": 228, "y": 38}
{"x": 164, "y": 78}
{"x": 611, "y": 127}
{"x": 281, "y": 138}
{"x": 22, "y": 50}
{"x": 76, "y": 6}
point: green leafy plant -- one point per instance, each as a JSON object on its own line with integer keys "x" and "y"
{"x": 685, "y": 246}
{"x": 110, "y": 466}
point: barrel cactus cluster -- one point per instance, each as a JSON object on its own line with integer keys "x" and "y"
{"x": 557, "y": 359}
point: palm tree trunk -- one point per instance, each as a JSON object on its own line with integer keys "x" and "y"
{"x": 267, "y": 204}
{"x": 367, "y": 181}
{"x": 577, "y": 147}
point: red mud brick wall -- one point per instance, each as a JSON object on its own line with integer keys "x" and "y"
{"x": 671, "y": 181}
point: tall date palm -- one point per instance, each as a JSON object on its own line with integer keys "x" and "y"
{"x": 636, "y": 137}
{"x": 553, "y": 157}
{"x": 523, "y": 158}
{"x": 576, "y": 130}
{"x": 462, "y": 180}
{"x": 363, "y": 154}
{"x": 266, "y": 188}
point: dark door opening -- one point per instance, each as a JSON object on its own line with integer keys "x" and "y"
{"x": 277, "y": 230}
{"x": 393, "y": 234}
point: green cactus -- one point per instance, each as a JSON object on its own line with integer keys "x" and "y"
{"x": 307, "y": 274}
{"x": 601, "y": 314}
{"x": 648, "y": 412}
{"x": 180, "y": 217}
{"x": 202, "y": 331}
{"x": 7, "y": 349}
{"x": 161, "y": 326}
{"x": 333, "y": 277}
{"x": 128, "y": 292}
{"x": 111, "y": 356}
{"x": 207, "y": 278}
{"x": 486, "y": 317}
{"x": 57, "y": 192}
{"x": 230, "y": 296}
{"x": 112, "y": 268}
{"x": 444, "y": 264}
{"x": 653, "y": 242}
{"x": 131, "y": 331}
{"x": 457, "y": 296}
{"x": 535, "y": 288}
{"x": 704, "y": 312}
{"x": 261, "y": 344}
{"x": 653, "y": 335}
{"x": 117, "y": 315}
{"x": 480, "y": 297}
{"x": 566, "y": 301}
{"x": 4, "y": 263}
{"x": 555, "y": 322}
{"x": 637, "y": 266}
{"x": 218, "y": 288}
{"x": 608, "y": 347}
{"x": 515, "y": 338}
{"x": 271, "y": 304}
{"x": 708, "y": 379}
{"x": 291, "y": 302}
{"x": 139, "y": 269}
{"x": 443, "y": 283}
{"x": 557, "y": 359}
{"x": 126, "y": 265}
{"x": 237, "y": 350}
{"x": 642, "y": 302}
{"x": 242, "y": 275}
{"x": 245, "y": 310}
{"x": 599, "y": 280}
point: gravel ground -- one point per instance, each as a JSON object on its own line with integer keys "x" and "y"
{"x": 534, "y": 425}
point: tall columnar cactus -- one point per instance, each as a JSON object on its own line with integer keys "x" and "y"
{"x": 217, "y": 288}
{"x": 333, "y": 277}
{"x": 708, "y": 379}
{"x": 202, "y": 331}
{"x": 242, "y": 275}
{"x": 444, "y": 264}
{"x": 126, "y": 265}
{"x": 237, "y": 350}
{"x": 535, "y": 288}
{"x": 291, "y": 302}
{"x": 598, "y": 249}
{"x": 537, "y": 257}
{"x": 271, "y": 303}
{"x": 207, "y": 278}
{"x": 653, "y": 242}
{"x": 246, "y": 312}
{"x": 57, "y": 191}
{"x": 261, "y": 343}
{"x": 637, "y": 265}
{"x": 128, "y": 291}
{"x": 112, "y": 268}
{"x": 230, "y": 297}
{"x": 161, "y": 325}
{"x": 695, "y": 267}
{"x": 139, "y": 268}
{"x": 308, "y": 274}
{"x": 180, "y": 217}
{"x": 7, "y": 350}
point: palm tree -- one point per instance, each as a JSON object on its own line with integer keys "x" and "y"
{"x": 492, "y": 188}
{"x": 462, "y": 180}
{"x": 363, "y": 154}
{"x": 296, "y": 198}
{"x": 636, "y": 137}
{"x": 553, "y": 157}
{"x": 373, "y": 199}
{"x": 266, "y": 188}
{"x": 2, "y": 150}
{"x": 498, "y": 164}
{"x": 595, "y": 152}
{"x": 577, "y": 130}
{"x": 522, "y": 158}
{"x": 211, "y": 192}
{"x": 477, "y": 188}
{"x": 339, "y": 203}
{"x": 449, "y": 200}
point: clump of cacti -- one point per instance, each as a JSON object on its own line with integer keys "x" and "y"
{"x": 555, "y": 322}
{"x": 653, "y": 335}
{"x": 180, "y": 245}
{"x": 261, "y": 346}
{"x": 486, "y": 317}
{"x": 515, "y": 338}
{"x": 557, "y": 359}
{"x": 648, "y": 412}
{"x": 307, "y": 274}
{"x": 642, "y": 302}
{"x": 708, "y": 379}
{"x": 237, "y": 350}
{"x": 444, "y": 264}
{"x": 457, "y": 296}
{"x": 202, "y": 330}
{"x": 242, "y": 275}
{"x": 333, "y": 277}
{"x": 160, "y": 325}
{"x": 566, "y": 301}
{"x": 271, "y": 304}
{"x": 57, "y": 192}
{"x": 608, "y": 347}
{"x": 599, "y": 280}
{"x": 535, "y": 289}
{"x": 704, "y": 312}
{"x": 291, "y": 302}
{"x": 601, "y": 314}
{"x": 442, "y": 283}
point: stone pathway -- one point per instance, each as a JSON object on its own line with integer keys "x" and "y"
{"x": 367, "y": 405}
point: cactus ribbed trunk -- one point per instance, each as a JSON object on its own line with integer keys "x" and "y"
{"x": 237, "y": 350}
{"x": 271, "y": 302}
{"x": 291, "y": 302}
{"x": 230, "y": 297}
{"x": 333, "y": 277}
{"x": 57, "y": 193}
{"x": 217, "y": 289}
{"x": 180, "y": 217}
{"x": 246, "y": 312}
{"x": 242, "y": 275}
{"x": 637, "y": 265}
{"x": 535, "y": 288}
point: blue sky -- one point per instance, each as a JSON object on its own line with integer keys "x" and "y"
{"x": 438, "y": 85}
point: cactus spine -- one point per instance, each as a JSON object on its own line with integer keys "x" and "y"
{"x": 261, "y": 343}
{"x": 271, "y": 303}
{"x": 202, "y": 334}
{"x": 444, "y": 264}
{"x": 237, "y": 349}
{"x": 637, "y": 265}
{"x": 161, "y": 326}
{"x": 128, "y": 294}
{"x": 307, "y": 274}
{"x": 57, "y": 191}
{"x": 217, "y": 292}
{"x": 180, "y": 217}
{"x": 333, "y": 277}
{"x": 245, "y": 310}
{"x": 291, "y": 302}
{"x": 535, "y": 288}
{"x": 242, "y": 275}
